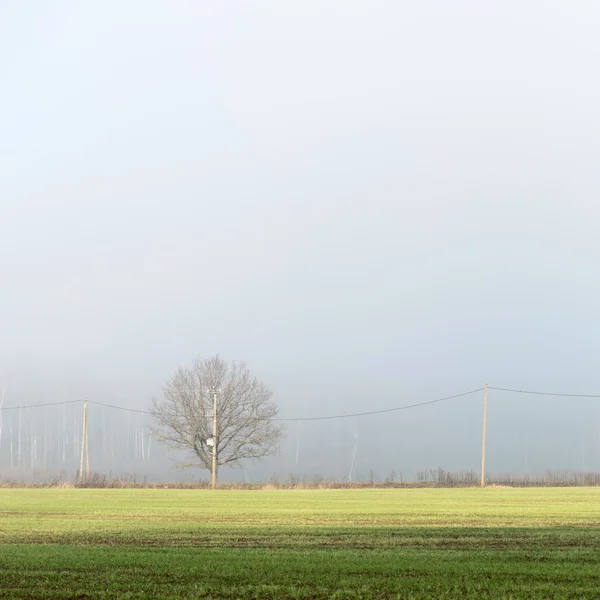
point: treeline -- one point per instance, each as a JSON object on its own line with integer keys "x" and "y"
{"x": 441, "y": 478}
{"x": 432, "y": 478}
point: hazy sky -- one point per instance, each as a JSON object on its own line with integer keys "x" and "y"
{"x": 370, "y": 202}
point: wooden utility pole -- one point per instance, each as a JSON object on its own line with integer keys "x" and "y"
{"x": 87, "y": 444}
{"x": 84, "y": 446}
{"x": 214, "y": 439}
{"x": 485, "y": 403}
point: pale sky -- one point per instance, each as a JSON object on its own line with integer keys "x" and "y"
{"x": 371, "y": 203}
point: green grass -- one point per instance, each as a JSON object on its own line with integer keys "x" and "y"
{"x": 432, "y": 543}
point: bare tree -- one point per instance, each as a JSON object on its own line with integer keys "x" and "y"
{"x": 244, "y": 415}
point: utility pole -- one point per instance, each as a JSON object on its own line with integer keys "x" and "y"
{"x": 1, "y": 413}
{"x": 214, "y": 440}
{"x": 83, "y": 440}
{"x": 485, "y": 403}
{"x": 87, "y": 444}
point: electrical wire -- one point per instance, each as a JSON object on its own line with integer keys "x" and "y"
{"x": 534, "y": 393}
{"x": 344, "y": 416}
{"x": 329, "y": 417}
{"x": 38, "y": 405}
{"x": 379, "y": 412}
{"x": 135, "y": 410}
{"x": 322, "y": 418}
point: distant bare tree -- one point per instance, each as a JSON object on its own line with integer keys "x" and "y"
{"x": 245, "y": 413}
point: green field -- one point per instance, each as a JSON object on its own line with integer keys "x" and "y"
{"x": 401, "y": 543}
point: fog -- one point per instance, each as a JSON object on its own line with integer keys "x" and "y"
{"x": 372, "y": 204}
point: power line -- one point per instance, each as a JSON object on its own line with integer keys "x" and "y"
{"x": 38, "y": 405}
{"x": 344, "y": 416}
{"x": 74, "y": 402}
{"x": 535, "y": 393}
{"x": 135, "y": 410}
{"x": 322, "y": 418}
{"x": 329, "y": 417}
{"x": 378, "y": 412}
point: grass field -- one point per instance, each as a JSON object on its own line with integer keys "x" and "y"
{"x": 429, "y": 543}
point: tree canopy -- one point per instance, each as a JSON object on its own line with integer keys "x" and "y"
{"x": 244, "y": 415}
